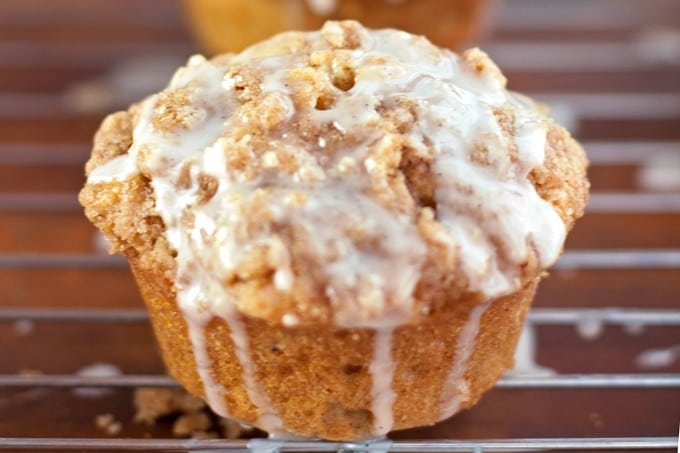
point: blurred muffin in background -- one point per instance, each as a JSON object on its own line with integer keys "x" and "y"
{"x": 231, "y": 25}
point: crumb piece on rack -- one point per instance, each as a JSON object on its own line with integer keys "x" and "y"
{"x": 192, "y": 425}
{"x": 189, "y": 415}
{"x": 205, "y": 435}
{"x": 154, "y": 403}
{"x": 232, "y": 429}
{"x": 188, "y": 403}
{"x": 108, "y": 424}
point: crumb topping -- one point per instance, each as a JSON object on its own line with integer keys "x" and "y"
{"x": 345, "y": 176}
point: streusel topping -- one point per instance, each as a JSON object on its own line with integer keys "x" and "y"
{"x": 352, "y": 160}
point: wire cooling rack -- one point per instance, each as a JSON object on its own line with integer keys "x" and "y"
{"x": 537, "y": 317}
{"x": 607, "y": 322}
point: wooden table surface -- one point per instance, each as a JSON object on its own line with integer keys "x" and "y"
{"x": 611, "y": 68}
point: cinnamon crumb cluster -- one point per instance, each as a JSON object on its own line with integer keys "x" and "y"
{"x": 190, "y": 415}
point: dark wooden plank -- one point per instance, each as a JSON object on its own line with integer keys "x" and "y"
{"x": 63, "y": 288}
{"x": 580, "y": 81}
{"x": 41, "y": 178}
{"x": 130, "y": 347}
{"x": 63, "y": 130}
{"x": 638, "y": 129}
{"x": 597, "y": 231}
{"x": 43, "y": 79}
{"x": 67, "y": 232}
{"x": 561, "y": 413}
{"x": 610, "y": 288}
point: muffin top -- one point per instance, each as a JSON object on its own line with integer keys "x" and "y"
{"x": 348, "y": 176}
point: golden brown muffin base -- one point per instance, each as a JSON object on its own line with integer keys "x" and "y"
{"x": 318, "y": 378}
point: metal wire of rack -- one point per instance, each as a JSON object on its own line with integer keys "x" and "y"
{"x": 475, "y": 446}
{"x": 609, "y": 118}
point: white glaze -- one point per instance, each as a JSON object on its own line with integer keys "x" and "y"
{"x": 456, "y": 390}
{"x": 492, "y": 216}
{"x": 382, "y": 371}
{"x": 214, "y": 392}
{"x": 268, "y": 419}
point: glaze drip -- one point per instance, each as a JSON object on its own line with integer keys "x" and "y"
{"x": 456, "y": 390}
{"x": 382, "y": 370}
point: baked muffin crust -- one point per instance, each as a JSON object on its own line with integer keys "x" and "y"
{"x": 344, "y": 190}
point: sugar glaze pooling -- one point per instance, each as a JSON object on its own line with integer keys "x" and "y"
{"x": 480, "y": 205}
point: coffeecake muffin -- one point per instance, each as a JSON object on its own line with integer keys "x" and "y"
{"x": 231, "y": 25}
{"x": 337, "y": 233}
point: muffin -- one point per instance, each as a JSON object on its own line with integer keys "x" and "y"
{"x": 231, "y": 25}
{"x": 337, "y": 233}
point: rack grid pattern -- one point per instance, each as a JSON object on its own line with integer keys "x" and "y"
{"x": 609, "y": 64}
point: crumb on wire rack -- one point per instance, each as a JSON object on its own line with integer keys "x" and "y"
{"x": 108, "y": 424}
{"x": 189, "y": 415}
